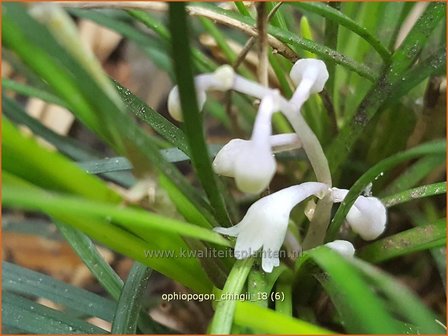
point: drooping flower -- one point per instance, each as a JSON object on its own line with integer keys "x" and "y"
{"x": 174, "y": 107}
{"x": 266, "y": 221}
{"x": 343, "y": 247}
{"x": 310, "y": 76}
{"x": 220, "y": 80}
{"x": 236, "y": 151}
{"x": 251, "y": 162}
{"x": 367, "y": 217}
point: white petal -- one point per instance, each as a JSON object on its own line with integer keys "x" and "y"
{"x": 174, "y": 104}
{"x": 174, "y": 107}
{"x": 284, "y": 142}
{"x": 291, "y": 196}
{"x": 338, "y": 195}
{"x": 367, "y": 217}
{"x": 232, "y": 231}
{"x": 254, "y": 169}
{"x": 343, "y": 247}
{"x": 225, "y": 76}
{"x": 224, "y": 162}
{"x": 249, "y": 240}
{"x": 310, "y": 68}
{"x": 220, "y": 80}
{"x": 262, "y": 129}
{"x": 271, "y": 249}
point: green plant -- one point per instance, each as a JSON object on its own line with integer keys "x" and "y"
{"x": 363, "y": 131}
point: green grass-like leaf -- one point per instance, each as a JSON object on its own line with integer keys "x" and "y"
{"x": 433, "y": 65}
{"x": 403, "y": 300}
{"x": 30, "y": 91}
{"x": 225, "y": 309}
{"x": 417, "y": 38}
{"x": 155, "y": 49}
{"x": 338, "y": 17}
{"x": 158, "y": 123}
{"x": 360, "y": 310}
{"x": 415, "y": 193}
{"x": 89, "y": 254}
{"x": 404, "y": 243}
{"x": 67, "y": 146}
{"x": 120, "y": 163}
{"x": 192, "y": 119}
{"x": 23, "y": 157}
{"x": 30, "y": 283}
{"x": 378, "y": 94}
{"x": 264, "y": 320}
{"x": 133, "y": 244}
{"x": 92, "y": 106}
{"x": 132, "y": 219}
{"x": 414, "y": 174}
{"x": 128, "y": 309}
{"x": 103, "y": 272}
{"x": 34, "y": 318}
{"x": 359, "y": 307}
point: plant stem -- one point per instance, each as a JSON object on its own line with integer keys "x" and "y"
{"x": 256, "y": 284}
{"x": 315, "y": 235}
{"x": 225, "y": 309}
{"x": 284, "y": 288}
{"x": 311, "y": 146}
{"x": 262, "y": 43}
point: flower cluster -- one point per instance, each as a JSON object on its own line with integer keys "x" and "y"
{"x": 252, "y": 164}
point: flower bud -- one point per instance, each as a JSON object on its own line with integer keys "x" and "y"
{"x": 311, "y": 70}
{"x": 343, "y": 247}
{"x": 174, "y": 108}
{"x": 221, "y": 80}
{"x": 367, "y": 217}
{"x": 251, "y": 164}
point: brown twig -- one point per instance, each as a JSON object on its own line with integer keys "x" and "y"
{"x": 240, "y": 59}
{"x": 251, "y": 41}
{"x": 242, "y": 55}
{"x": 281, "y": 48}
{"x": 262, "y": 23}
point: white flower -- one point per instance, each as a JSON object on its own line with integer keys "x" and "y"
{"x": 310, "y": 76}
{"x": 251, "y": 164}
{"x": 343, "y": 247}
{"x": 266, "y": 222}
{"x": 252, "y": 167}
{"x": 221, "y": 80}
{"x": 310, "y": 70}
{"x": 367, "y": 217}
{"x": 174, "y": 107}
